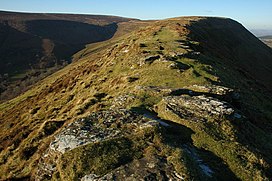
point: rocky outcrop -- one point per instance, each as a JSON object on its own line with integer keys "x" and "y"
{"x": 212, "y": 89}
{"x": 193, "y": 90}
{"x": 197, "y": 108}
{"x": 98, "y": 128}
{"x": 106, "y": 129}
{"x": 122, "y": 100}
{"x": 153, "y": 168}
{"x": 200, "y": 103}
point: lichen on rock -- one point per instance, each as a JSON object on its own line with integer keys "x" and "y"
{"x": 196, "y": 108}
{"x": 111, "y": 129}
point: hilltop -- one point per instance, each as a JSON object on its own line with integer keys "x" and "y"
{"x": 182, "y": 98}
{"x": 34, "y": 46}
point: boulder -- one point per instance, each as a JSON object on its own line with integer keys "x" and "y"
{"x": 195, "y": 108}
{"x": 102, "y": 130}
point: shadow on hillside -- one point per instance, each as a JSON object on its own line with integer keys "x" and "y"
{"x": 244, "y": 63}
{"x": 45, "y": 47}
{"x": 70, "y": 36}
{"x": 234, "y": 46}
{"x": 17, "y": 49}
{"x": 199, "y": 162}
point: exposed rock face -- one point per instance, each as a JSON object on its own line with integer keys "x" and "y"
{"x": 197, "y": 108}
{"x": 212, "y": 89}
{"x": 195, "y": 90}
{"x": 96, "y": 128}
{"x": 198, "y": 103}
{"x": 121, "y": 101}
{"x": 145, "y": 168}
{"x": 203, "y": 166}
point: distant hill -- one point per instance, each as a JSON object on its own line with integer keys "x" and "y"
{"x": 33, "y": 46}
{"x": 266, "y": 37}
{"x": 37, "y": 36}
{"x": 261, "y": 32}
{"x": 185, "y": 98}
{"x": 267, "y": 40}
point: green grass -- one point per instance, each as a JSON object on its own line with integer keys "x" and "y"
{"x": 101, "y": 157}
{"x": 223, "y": 139}
{"x": 109, "y": 69}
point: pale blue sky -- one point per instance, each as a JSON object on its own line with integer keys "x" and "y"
{"x": 254, "y": 14}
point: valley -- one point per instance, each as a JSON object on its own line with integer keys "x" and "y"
{"x": 34, "y": 46}
{"x": 186, "y": 98}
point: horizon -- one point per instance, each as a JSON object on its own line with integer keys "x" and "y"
{"x": 256, "y": 31}
{"x": 181, "y": 92}
{"x": 254, "y": 15}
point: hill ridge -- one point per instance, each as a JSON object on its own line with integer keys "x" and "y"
{"x": 113, "y": 105}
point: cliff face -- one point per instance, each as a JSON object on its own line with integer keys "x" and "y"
{"x": 173, "y": 100}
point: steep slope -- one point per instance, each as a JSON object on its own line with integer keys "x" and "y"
{"x": 158, "y": 103}
{"x": 35, "y": 45}
{"x": 229, "y": 41}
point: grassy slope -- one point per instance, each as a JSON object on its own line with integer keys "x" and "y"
{"x": 109, "y": 68}
{"x": 25, "y": 31}
{"x": 34, "y": 46}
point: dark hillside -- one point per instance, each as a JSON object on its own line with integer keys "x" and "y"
{"x": 71, "y": 32}
{"x": 241, "y": 61}
{"x": 18, "y": 49}
{"x": 36, "y": 45}
{"x": 21, "y": 51}
{"x": 17, "y": 18}
{"x": 234, "y": 46}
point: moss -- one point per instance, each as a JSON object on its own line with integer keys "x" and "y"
{"x": 185, "y": 166}
{"x": 97, "y": 158}
{"x": 101, "y": 157}
{"x": 224, "y": 145}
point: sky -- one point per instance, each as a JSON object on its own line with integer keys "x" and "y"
{"x": 253, "y": 14}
